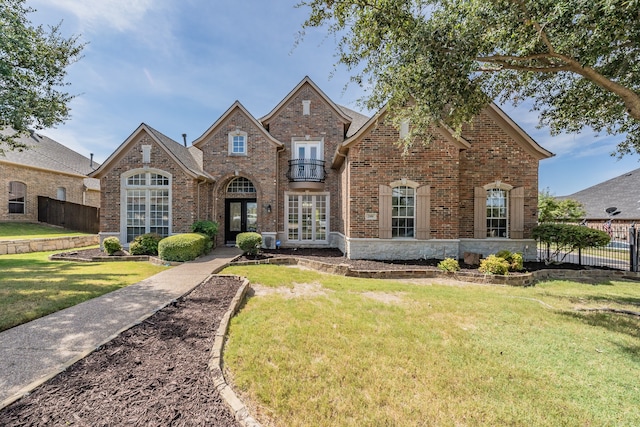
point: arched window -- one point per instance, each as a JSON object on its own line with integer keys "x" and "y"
{"x": 147, "y": 204}
{"x": 499, "y": 211}
{"x": 241, "y": 185}
{"x": 17, "y": 197}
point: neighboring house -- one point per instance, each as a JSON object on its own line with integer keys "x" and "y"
{"x": 612, "y": 205}
{"x": 312, "y": 173}
{"x": 45, "y": 168}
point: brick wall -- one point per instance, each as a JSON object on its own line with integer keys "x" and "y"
{"x": 495, "y": 156}
{"x": 184, "y": 187}
{"x": 322, "y": 122}
{"x": 258, "y": 165}
{"x": 376, "y": 159}
{"x": 41, "y": 183}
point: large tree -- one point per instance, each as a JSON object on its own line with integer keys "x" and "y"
{"x": 33, "y": 64}
{"x": 578, "y": 60}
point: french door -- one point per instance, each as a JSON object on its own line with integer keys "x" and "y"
{"x": 241, "y": 215}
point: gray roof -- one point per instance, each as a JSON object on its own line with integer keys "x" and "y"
{"x": 357, "y": 120}
{"x": 44, "y": 153}
{"x": 182, "y": 153}
{"x": 622, "y": 192}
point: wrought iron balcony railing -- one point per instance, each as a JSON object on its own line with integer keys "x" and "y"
{"x": 306, "y": 170}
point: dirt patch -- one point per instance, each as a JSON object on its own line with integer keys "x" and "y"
{"x": 154, "y": 374}
{"x": 299, "y": 290}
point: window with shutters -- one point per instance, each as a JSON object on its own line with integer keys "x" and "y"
{"x": 499, "y": 211}
{"x": 404, "y": 210}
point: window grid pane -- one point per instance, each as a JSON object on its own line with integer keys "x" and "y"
{"x": 17, "y": 197}
{"x": 241, "y": 185}
{"x": 497, "y": 213}
{"x": 307, "y": 218}
{"x": 148, "y": 209}
{"x": 402, "y": 212}
{"x": 294, "y": 217}
{"x": 138, "y": 179}
{"x": 238, "y": 144}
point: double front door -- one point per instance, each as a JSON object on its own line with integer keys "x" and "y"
{"x": 241, "y": 216}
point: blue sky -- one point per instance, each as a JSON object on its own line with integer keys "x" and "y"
{"x": 178, "y": 65}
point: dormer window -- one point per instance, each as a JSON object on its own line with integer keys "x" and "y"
{"x": 238, "y": 143}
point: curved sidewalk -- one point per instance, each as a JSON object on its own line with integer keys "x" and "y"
{"x": 34, "y": 352}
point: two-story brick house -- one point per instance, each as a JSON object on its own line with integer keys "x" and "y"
{"x": 312, "y": 173}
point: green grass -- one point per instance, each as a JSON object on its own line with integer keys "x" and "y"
{"x": 31, "y": 286}
{"x": 21, "y": 230}
{"x": 377, "y": 353}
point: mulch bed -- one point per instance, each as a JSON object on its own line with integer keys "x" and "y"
{"x": 154, "y": 374}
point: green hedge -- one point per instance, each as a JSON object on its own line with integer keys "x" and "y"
{"x": 145, "y": 244}
{"x": 182, "y": 247}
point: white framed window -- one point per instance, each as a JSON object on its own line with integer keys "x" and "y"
{"x": 309, "y": 156}
{"x": 241, "y": 185}
{"x": 238, "y": 143}
{"x": 497, "y": 212}
{"x": 403, "y": 204}
{"x": 307, "y": 217}
{"x": 146, "y": 204}
{"x": 61, "y": 194}
{"x": 17, "y": 197}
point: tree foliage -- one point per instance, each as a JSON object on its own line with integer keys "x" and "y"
{"x": 577, "y": 60}
{"x": 551, "y": 209}
{"x": 33, "y": 64}
{"x": 566, "y": 238}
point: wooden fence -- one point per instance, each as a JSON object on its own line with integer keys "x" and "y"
{"x": 69, "y": 215}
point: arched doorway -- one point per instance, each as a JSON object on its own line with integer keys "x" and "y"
{"x": 241, "y": 208}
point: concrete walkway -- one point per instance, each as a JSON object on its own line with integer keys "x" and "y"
{"x": 34, "y": 352}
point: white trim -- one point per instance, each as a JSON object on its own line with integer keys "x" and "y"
{"x": 327, "y": 195}
{"x": 123, "y": 197}
{"x": 234, "y": 134}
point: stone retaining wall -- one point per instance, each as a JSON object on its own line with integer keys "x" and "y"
{"x": 524, "y": 279}
{"x": 48, "y": 244}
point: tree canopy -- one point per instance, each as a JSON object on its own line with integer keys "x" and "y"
{"x": 33, "y": 67}
{"x": 577, "y": 60}
{"x": 551, "y": 209}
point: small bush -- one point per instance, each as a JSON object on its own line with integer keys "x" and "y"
{"x": 249, "y": 242}
{"x": 111, "y": 245}
{"x": 182, "y": 247}
{"x": 146, "y": 244}
{"x": 208, "y": 228}
{"x": 494, "y": 265}
{"x": 449, "y": 264}
{"x": 514, "y": 259}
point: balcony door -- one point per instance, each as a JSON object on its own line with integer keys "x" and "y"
{"x": 307, "y": 153}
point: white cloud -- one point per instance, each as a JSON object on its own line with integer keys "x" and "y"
{"x": 122, "y": 15}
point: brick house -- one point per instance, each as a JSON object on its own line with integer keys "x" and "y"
{"x": 313, "y": 173}
{"x": 46, "y": 168}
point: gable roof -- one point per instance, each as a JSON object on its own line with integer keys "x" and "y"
{"x": 178, "y": 152}
{"x": 236, "y": 106}
{"x": 621, "y": 192}
{"x": 44, "y": 153}
{"x": 306, "y": 81}
{"x": 517, "y": 133}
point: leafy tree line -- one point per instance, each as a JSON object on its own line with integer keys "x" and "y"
{"x": 577, "y": 60}
{"x": 33, "y": 67}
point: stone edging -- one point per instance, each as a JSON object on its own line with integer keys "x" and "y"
{"x": 523, "y": 279}
{"x": 24, "y": 246}
{"x": 238, "y": 408}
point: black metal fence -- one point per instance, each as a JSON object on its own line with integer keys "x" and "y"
{"x": 621, "y": 253}
{"x": 69, "y": 215}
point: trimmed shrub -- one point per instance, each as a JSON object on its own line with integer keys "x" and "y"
{"x": 449, "y": 264}
{"x": 249, "y": 242}
{"x": 206, "y": 227}
{"x": 111, "y": 245}
{"x": 514, "y": 259}
{"x": 494, "y": 265}
{"x": 182, "y": 247}
{"x": 146, "y": 244}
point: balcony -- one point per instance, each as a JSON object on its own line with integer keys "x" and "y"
{"x": 307, "y": 174}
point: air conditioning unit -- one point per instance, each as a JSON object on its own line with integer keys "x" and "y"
{"x": 269, "y": 242}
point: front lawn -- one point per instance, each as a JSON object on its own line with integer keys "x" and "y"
{"x": 31, "y": 286}
{"x": 23, "y": 230}
{"x": 323, "y": 350}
